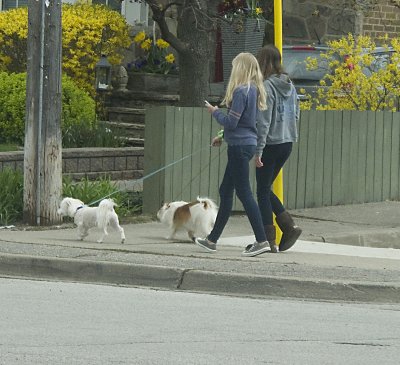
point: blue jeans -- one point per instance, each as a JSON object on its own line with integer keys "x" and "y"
{"x": 273, "y": 158}
{"x": 236, "y": 177}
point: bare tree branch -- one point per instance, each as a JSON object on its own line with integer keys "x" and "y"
{"x": 159, "y": 17}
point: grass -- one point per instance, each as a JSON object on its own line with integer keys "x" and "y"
{"x": 11, "y": 196}
{"x": 9, "y": 147}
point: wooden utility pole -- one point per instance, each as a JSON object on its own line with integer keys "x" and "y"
{"x": 42, "y": 161}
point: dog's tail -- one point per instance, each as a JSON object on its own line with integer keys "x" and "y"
{"x": 207, "y": 203}
{"x": 105, "y": 207}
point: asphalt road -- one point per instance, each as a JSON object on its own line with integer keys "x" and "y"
{"x": 72, "y": 323}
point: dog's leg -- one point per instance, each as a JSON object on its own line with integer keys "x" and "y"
{"x": 206, "y": 227}
{"x": 105, "y": 233}
{"x": 191, "y": 235}
{"x": 172, "y": 234}
{"x": 114, "y": 223}
{"x": 122, "y": 232}
{"x": 82, "y": 232}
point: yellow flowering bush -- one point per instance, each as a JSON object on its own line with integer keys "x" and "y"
{"x": 13, "y": 39}
{"x": 156, "y": 56}
{"x": 358, "y": 77}
{"x": 87, "y": 32}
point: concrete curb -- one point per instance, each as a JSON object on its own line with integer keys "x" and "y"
{"x": 193, "y": 280}
{"x": 89, "y": 271}
{"x": 264, "y": 286}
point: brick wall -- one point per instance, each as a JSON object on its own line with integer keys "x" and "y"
{"x": 118, "y": 163}
{"x": 303, "y": 20}
{"x": 383, "y": 19}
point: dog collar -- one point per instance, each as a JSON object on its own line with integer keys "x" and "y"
{"x": 79, "y": 208}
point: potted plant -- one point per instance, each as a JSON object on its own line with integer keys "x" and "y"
{"x": 242, "y": 30}
{"x": 155, "y": 70}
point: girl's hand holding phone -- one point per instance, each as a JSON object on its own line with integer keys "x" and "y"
{"x": 209, "y": 107}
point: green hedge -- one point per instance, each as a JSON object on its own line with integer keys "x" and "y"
{"x": 78, "y": 108}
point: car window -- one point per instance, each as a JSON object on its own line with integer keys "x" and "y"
{"x": 295, "y": 64}
{"x": 381, "y": 60}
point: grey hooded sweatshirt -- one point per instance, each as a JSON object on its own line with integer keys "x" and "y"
{"x": 278, "y": 123}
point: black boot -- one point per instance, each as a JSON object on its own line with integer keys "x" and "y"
{"x": 270, "y": 232}
{"x": 290, "y": 232}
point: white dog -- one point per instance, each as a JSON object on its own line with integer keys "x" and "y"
{"x": 88, "y": 217}
{"x": 197, "y": 217}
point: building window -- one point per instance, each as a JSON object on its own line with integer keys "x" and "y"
{"x": 113, "y": 4}
{"x": 11, "y": 4}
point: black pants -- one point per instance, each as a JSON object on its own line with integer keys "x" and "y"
{"x": 273, "y": 158}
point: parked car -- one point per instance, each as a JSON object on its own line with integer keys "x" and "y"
{"x": 382, "y": 57}
{"x": 294, "y": 60}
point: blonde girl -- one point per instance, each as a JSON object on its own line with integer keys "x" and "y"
{"x": 245, "y": 96}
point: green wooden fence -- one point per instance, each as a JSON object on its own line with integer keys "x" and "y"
{"x": 342, "y": 157}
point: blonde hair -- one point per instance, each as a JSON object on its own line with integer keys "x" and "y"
{"x": 246, "y": 71}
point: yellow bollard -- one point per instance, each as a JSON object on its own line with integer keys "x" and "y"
{"x": 278, "y": 183}
{"x": 278, "y": 191}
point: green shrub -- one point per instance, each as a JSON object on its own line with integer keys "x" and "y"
{"x": 12, "y": 107}
{"x": 11, "y": 196}
{"x": 90, "y": 192}
{"x": 87, "y": 32}
{"x": 78, "y": 108}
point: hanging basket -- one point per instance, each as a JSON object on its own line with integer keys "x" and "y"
{"x": 244, "y": 35}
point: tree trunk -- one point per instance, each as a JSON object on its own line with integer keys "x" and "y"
{"x": 195, "y": 30}
{"x": 194, "y": 79}
{"x": 42, "y": 159}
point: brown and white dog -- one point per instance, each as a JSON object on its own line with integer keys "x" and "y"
{"x": 197, "y": 217}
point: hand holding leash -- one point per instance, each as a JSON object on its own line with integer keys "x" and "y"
{"x": 216, "y": 142}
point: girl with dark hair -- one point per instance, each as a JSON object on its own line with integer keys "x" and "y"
{"x": 277, "y": 130}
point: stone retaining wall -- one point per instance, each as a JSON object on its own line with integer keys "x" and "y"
{"x": 117, "y": 163}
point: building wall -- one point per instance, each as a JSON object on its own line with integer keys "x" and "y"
{"x": 311, "y": 21}
{"x": 383, "y": 19}
{"x": 308, "y": 21}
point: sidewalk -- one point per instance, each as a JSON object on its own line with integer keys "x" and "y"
{"x": 327, "y": 263}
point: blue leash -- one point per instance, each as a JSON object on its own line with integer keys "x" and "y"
{"x": 152, "y": 173}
